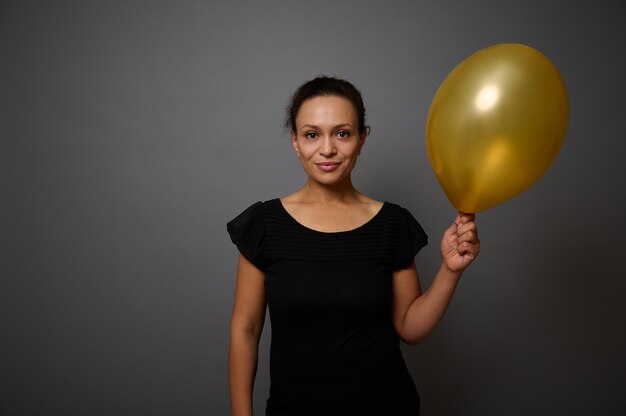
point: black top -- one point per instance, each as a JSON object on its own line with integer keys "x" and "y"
{"x": 334, "y": 349}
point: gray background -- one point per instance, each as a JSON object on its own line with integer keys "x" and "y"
{"x": 133, "y": 131}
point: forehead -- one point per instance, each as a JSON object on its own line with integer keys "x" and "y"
{"x": 327, "y": 108}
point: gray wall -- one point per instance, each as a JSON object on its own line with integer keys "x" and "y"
{"x": 133, "y": 131}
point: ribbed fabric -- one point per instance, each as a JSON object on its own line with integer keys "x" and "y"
{"x": 266, "y": 232}
{"x": 334, "y": 348}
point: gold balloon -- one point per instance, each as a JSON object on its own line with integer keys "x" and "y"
{"x": 495, "y": 125}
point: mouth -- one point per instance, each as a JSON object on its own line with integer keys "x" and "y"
{"x": 328, "y": 166}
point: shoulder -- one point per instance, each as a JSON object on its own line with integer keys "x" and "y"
{"x": 248, "y": 230}
{"x": 259, "y": 206}
{"x": 396, "y": 209}
{"x": 252, "y": 214}
{"x": 403, "y": 218}
{"x": 371, "y": 205}
{"x": 406, "y": 219}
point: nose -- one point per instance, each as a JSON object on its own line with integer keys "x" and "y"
{"x": 327, "y": 147}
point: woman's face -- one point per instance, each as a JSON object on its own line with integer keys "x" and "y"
{"x": 327, "y": 139}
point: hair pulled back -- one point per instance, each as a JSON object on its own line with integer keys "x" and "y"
{"x": 325, "y": 86}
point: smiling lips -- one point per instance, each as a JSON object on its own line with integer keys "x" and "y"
{"x": 328, "y": 166}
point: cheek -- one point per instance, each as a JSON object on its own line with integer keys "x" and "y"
{"x": 305, "y": 149}
{"x": 350, "y": 149}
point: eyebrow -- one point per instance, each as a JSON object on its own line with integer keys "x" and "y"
{"x": 313, "y": 126}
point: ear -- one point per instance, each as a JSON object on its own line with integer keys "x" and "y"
{"x": 294, "y": 141}
{"x": 362, "y": 137}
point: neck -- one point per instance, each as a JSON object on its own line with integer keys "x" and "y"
{"x": 341, "y": 192}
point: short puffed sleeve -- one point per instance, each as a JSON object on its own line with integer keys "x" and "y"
{"x": 411, "y": 239}
{"x": 247, "y": 232}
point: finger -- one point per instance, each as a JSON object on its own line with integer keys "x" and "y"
{"x": 452, "y": 230}
{"x": 467, "y": 236}
{"x": 462, "y": 249}
{"x": 467, "y": 249}
{"x": 469, "y": 226}
{"x": 466, "y": 217}
{"x": 457, "y": 219}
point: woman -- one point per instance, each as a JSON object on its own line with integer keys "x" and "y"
{"x": 336, "y": 270}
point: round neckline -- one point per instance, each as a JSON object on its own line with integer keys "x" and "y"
{"x": 360, "y": 227}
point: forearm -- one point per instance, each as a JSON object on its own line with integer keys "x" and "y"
{"x": 242, "y": 365}
{"x": 428, "y": 309}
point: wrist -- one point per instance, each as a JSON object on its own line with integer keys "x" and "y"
{"x": 450, "y": 274}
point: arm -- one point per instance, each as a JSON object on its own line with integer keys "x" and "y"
{"x": 245, "y": 331}
{"x": 415, "y": 314}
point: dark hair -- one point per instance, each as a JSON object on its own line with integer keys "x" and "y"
{"x": 322, "y": 86}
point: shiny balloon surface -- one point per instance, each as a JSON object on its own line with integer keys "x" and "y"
{"x": 495, "y": 125}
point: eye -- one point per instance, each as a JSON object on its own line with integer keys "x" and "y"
{"x": 344, "y": 134}
{"x": 310, "y": 135}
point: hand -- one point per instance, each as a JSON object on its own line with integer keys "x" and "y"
{"x": 460, "y": 244}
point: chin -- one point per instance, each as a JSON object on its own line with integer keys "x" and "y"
{"x": 329, "y": 180}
